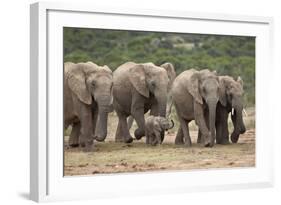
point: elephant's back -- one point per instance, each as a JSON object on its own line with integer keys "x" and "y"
{"x": 121, "y": 74}
{"x": 185, "y": 75}
{"x": 181, "y": 80}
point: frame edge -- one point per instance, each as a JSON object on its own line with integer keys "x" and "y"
{"x": 34, "y": 40}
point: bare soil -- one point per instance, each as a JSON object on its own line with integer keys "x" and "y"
{"x": 111, "y": 157}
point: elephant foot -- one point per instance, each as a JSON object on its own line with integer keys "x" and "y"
{"x": 187, "y": 144}
{"x": 99, "y": 139}
{"x": 179, "y": 142}
{"x": 208, "y": 144}
{"x": 139, "y": 133}
{"x": 162, "y": 136}
{"x": 207, "y": 140}
{"x": 187, "y": 141}
{"x": 199, "y": 141}
{"x": 128, "y": 139}
{"x": 88, "y": 148}
{"x": 234, "y": 138}
{"x": 223, "y": 142}
{"x": 118, "y": 139}
{"x": 73, "y": 145}
{"x": 179, "y": 139}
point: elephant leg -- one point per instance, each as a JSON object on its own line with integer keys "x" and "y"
{"x": 74, "y": 135}
{"x": 185, "y": 131}
{"x": 94, "y": 119}
{"x": 119, "y": 134}
{"x": 149, "y": 139}
{"x": 225, "y": 133}
{"x": 130, "y": 122}
{"x": 218, "y": 132}
{"x": 157, "y": 139}
{"x": 199, "y": 138}
{"x": 155, "y": 112}
{"x": 137, "y": 112}
{"x": 139, "y": 117}
{"x": 222, "y": 134}
{"x": 179, "y": 137}
{"x": 124, "y": 129}
{"x": 187, "y": 139}
{"x": 86, "y": 137}
{"x": 201, "y": 122}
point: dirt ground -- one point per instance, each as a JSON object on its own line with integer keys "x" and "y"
{"x": 111, "y": 157}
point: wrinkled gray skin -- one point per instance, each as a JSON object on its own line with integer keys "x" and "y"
{"x": 231, "y": 97}
{"x": 195, "y": 95}
{"x": 154, "y": 126}
{"x": 138, "y": 88}
{"x": 87, "y": 101}
{"x": 172, "y": 75}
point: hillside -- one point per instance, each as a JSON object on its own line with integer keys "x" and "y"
{"x": 228, "y": 55}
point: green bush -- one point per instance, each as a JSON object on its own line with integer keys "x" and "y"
{"x": 228, "y": 55}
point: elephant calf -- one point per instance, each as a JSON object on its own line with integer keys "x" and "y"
{"x": 154, "y": 125}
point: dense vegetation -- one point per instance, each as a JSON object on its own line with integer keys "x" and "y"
{"x": 228, "y": 55}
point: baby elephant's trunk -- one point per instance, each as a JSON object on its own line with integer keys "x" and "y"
{"x": 172, "y": 125}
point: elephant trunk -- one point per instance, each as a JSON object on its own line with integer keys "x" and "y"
{"x": 103, "y": 109}
{"x": 238, "y": 123}
{"x": 172, "y": 124}
{"x": 212, "y": 105}
{"x": 162, "y": 102}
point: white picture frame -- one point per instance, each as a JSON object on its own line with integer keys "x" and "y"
{"x": 46, "y": 146}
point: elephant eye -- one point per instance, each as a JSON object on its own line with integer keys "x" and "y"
{"x": 93, "y": 83}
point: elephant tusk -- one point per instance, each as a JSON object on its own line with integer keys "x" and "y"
{"x": 244, "y": 111}
{"x": 111, "y": 100}
{"x": 232, "y": 111}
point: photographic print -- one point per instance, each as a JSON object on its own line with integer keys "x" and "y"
{"x": 138, "y": 101}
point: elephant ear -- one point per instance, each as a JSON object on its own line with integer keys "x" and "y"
{"x": 222, "y": 92}
{"x": 193, "y": 87}
{"x": 77, "y": 83}
{"x": 157, "y": 124}
{"x": 137, "y": 78}
{"x": 240, "y": 81}
{"x": 170, "y": 71}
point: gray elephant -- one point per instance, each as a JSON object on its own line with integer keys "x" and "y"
{"x": 154, "y": 126}
{"x": 172, "y": 75}
{"x": 231, "y": 101}
{"x": 195, "y": 96}
{"x": 231, "y": 94}
{"x": 87, "y": 101}
{"x": 138, "y": 88}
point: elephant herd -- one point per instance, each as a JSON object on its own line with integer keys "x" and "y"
{"x": 92, "y": 91}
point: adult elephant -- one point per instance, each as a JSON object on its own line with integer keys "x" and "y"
{"x": 87, "y": 101}
{"x": 172, "y": 75}
{"x": 195, "y": 95}
{"x": 231, "y": 101}
{"x": 138, "y": 88}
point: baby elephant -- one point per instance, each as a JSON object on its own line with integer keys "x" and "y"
{"x": 154, "y": 125}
